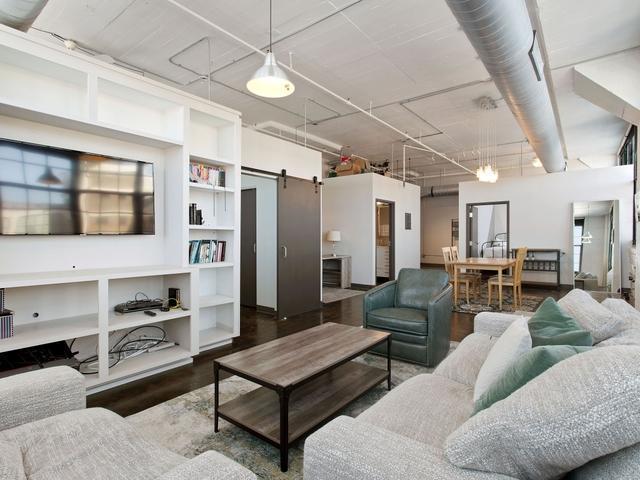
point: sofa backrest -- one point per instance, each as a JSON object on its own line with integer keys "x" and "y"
{"x": 416, "y": 287}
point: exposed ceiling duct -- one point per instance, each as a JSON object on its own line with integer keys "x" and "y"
{"x": 501, "y": 33}
{"x": 20, "y": 14}
{"x": 297, "y": 135}
{"x": 440, "y": 191}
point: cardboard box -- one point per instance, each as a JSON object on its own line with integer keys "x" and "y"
{"x": 347, "y": 169}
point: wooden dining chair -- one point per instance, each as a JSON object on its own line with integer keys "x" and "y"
{"x": 477, "y": 275}
{"x": 469, "y": 281}
{"x": 514, "y": 281}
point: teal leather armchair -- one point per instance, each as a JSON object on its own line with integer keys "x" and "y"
{"x": 416, "y": 309}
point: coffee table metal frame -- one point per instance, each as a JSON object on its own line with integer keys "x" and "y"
{"x": 284, "y": 394}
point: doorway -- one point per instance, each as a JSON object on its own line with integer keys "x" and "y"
{"x": 259, "y": 242}
{"x": 385, "y": 241}
{"x": 488, "y": 227}
{"x": 248, "y": 249}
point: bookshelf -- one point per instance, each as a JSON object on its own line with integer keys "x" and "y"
{"x": 214, "y": 143}
{"x": 50, "y": 95}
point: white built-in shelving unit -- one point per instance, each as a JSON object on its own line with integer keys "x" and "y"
{"x": 44, "y": 84}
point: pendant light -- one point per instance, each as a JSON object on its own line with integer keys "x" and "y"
{"x": 270, "y": 81}
{"x": 48, "y": 177}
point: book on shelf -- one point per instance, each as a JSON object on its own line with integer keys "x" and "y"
{"x": 207, "y": 251}
{"x": 207, "y": 174}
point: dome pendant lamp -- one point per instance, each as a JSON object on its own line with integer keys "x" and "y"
{"x": 270, "y": 81}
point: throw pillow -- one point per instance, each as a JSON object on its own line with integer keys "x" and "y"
{"x": 525, "y": 369}
{"x": 593, "y": 317}
{"x": 11, "y": 465}
{"x": 515, "y": 341}
{"x": 580, "y": 409}
{"x": 630, "y": 316}
{"x": 551, "y": 326}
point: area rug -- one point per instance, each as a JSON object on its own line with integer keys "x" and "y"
{"x": 479, "y": 303}
{"x": 185, "y": 424}
{"x": 331, "y": 294}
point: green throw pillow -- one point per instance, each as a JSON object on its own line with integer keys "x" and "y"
{"x": 551, "y": 326}
{"x": 527, "y": 367}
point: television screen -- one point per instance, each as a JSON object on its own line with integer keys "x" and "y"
{"x": 51, "y": 191}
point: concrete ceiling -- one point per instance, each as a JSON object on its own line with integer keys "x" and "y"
{"x": 406, "y": 59}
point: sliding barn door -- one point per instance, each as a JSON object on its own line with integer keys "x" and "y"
{"x": 299, "y": 247}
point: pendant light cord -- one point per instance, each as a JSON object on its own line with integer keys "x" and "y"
{"x": 270, "y": 26}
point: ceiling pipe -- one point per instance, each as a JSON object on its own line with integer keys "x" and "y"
{"x": 20, "y": 14}
{"x": 312, "y": 82}
{"x": 440, "y": 191}
{"x": 273, "y": 125}
{"x": 501, "y": 33}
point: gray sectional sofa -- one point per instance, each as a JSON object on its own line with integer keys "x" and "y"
{"x": 579, "y": 418}
{"x": 46, "y": 433}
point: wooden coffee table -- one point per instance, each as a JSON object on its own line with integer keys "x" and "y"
{"x": 306, "y": 378}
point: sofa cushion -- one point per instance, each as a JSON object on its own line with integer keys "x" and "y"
{"x": 595, "y": 318}
{"x": 551, "y": 326}
{"x": 524, "y": 369}
{"x": 11, "y": 466}
{"x": 407, "y": 320}
{"x": 426, "y": 408}
{"x": 464, "y": 363}
{"x": 93, "y": 443}
{"x": 621, "y": 465}
{"x": 514, "y": 342}
{"x": 580, "y": 409}
{"x": 416, "y": 287}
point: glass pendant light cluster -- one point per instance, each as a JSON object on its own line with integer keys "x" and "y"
{"x": 487, "y": 170}
{"x": 270, "y": 81}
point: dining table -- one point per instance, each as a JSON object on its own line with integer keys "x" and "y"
{"x": 498, "y": 265}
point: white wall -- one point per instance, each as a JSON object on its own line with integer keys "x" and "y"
{"x": 267, "y": 238}
{"x": 348, "y": 205}
{"x": 65, "y": 252}
{"x": 436, "y": 216}
{"x": 264, "y": 152}
{"x": 407, "y": 200}
{"x": 541, "y": 209}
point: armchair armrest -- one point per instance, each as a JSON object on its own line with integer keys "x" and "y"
{"x": 349, "y": 449}
{"x": 209, "y": 465}
{"x": 32, "y": 396}
{"x": 382, "y": 296}
{"x": 492, "y": 323}
{"x": 439, "y": 312}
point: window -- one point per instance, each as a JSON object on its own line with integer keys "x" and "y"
{"x": 578, "y": 231}
{"x": 628, "y": 153}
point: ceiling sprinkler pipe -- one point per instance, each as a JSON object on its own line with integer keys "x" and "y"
{"x": 346, "y": 101}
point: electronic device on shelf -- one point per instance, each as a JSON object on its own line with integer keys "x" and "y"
{"x": 138, "y": 305}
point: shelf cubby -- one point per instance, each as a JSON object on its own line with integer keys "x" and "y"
{"x": 209, "y": 137}
{"x": 41, "y": 85}
{"x": 130, "y": 109}
{"x": 48, "y": 331}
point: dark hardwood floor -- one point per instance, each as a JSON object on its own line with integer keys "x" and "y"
{"x": 255, "y": 328}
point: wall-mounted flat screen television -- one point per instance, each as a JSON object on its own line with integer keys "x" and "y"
{"x": 52, "y": 191}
